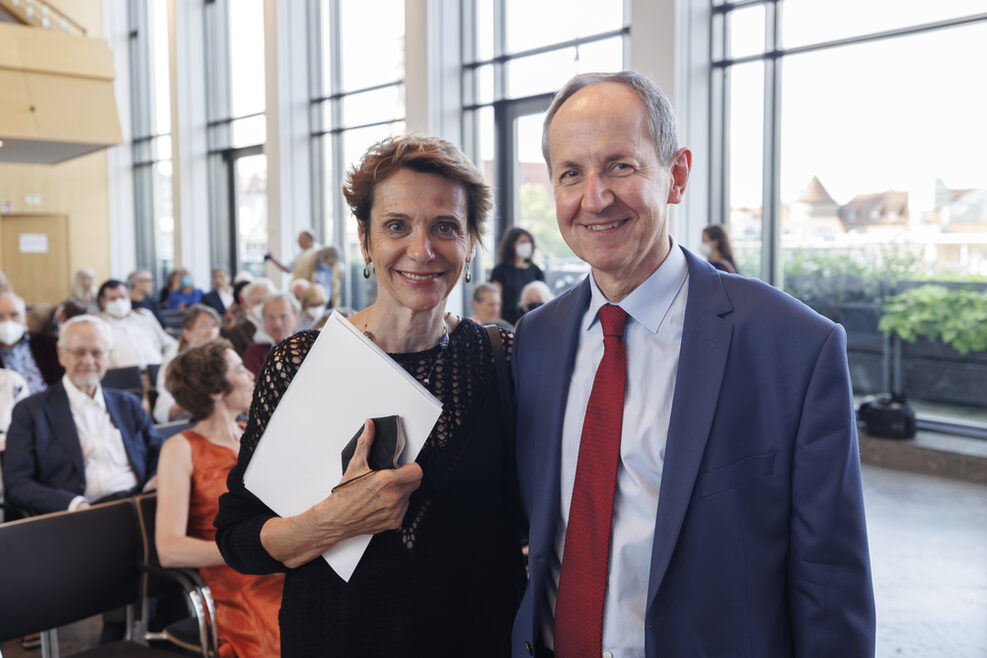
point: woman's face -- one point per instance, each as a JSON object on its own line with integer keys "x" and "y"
{"x": 241, "y": 382}
{"x": 418, "y": 238}
{"x": 204, "y": 328}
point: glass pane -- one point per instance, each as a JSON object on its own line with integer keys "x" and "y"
{"x": 547, "y": 72}
{"x": 247, "y": 56}
{"x": 745, "y": 164}
{"x": 372, "y": 43}
{"x": 374, "y": 106}
{"x": 160, "y": 68}
{"x": 332, "y": 190}
{"x": 484, "y": 126}
{"x": 250, "y": 131}
{"x": 812, "y": 21}
{"x": 535, "y": 24}
{"x": 537, "y": 209}
{"x": 161, "y": 147}
{"x": 882, "y": 197}
{"x": 484, "y": 26}
{"x": 326, "y": 45}
{"x": 164, "y": 217}
{"x": 251, "y": 212}
{"x": 746, "y": 31}
{"x": 484, "y": 80}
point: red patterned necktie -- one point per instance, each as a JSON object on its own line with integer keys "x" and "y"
{"x": 583, "y": 581}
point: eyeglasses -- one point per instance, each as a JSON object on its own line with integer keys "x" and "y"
{"x": 81, "y": 353}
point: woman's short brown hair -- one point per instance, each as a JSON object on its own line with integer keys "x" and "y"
{"x": 191, "y": 316}
{"x": 427, "y": 155}
{"x": 196, "y": 374}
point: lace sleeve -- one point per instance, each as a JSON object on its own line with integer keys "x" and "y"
{"x": 241, "y": 514}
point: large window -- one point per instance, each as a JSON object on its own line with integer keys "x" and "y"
{"x": 516, "y": 56}
{"x": 852, "y": 168}
{"x": 357, "y": 99}
{"x": 151, "y": 122}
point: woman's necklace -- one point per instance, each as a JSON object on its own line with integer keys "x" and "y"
{"x": 442, "y": 344}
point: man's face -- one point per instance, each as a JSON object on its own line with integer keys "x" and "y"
{"x": 279, "y": 320}
{"x": 10, "y": 310}
{"x": 611, "y": 192}
{"x": 144, "y": 284}
{"x": 85, "y": 355}
{"x": 488, "y": 308}
{"x": 220, "y": 279}
{"x": 305, "y": 241}
{"x": 255, "y": 297}
{"x": 120, "y": 292}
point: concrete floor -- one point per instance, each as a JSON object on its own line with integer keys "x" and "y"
{"x": 928, "y": 541}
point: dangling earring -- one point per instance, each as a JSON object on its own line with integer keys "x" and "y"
{"x": 367, "y": 270}
{"x": 468, "y": 276}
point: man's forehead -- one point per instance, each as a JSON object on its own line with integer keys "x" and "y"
{"x": 9, "y": 305}
{"x": 83, "y": 334}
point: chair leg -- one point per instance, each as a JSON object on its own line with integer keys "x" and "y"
{"x": 49, "y": 643}
{"x": 211, "y": 607}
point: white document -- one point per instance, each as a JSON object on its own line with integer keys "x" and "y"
{"x": 344, "y": 379}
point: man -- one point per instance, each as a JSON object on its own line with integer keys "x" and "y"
{"x": 486, "y": 304}
{"x": 31, "y": 355}
{"x": 329, "y": 272}
{"x": 141, "y": 285}
{"x": 220, "y": 297}
{"x": 280, "y": 312}
{"x": 254, "y": 294}
{"x": 686, "y": 446}
{"x": 137, "y": 337}
{"x": 77, "y": 443}
{"x": 303, "y": 267}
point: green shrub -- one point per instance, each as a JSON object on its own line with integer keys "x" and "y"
{"x": 956, "y": 317}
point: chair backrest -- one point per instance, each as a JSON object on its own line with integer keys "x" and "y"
{"x": 172, "y": 318}
{"x": 172, "y": 428}
{"x": 147, "y": 508}
{"x": 125, "y": 379}
{"x": 59, "y": 568}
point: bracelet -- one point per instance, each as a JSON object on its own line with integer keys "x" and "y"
{"x": 358, "y": 477}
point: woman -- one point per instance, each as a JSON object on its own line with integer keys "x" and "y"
{"x": 515, "y": 270}
{"x": 314, "y": 302}
{"x": 443, "y": 572}
{"x": 186, "y": 294}
{"x": 84, "y": 289}
{"x": 717, "y": 250}
{"x": 173, "y": 283}
{"x": 210, "y": 381}
{"x": 199, "y": 324}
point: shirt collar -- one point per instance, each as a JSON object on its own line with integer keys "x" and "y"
{"x": 649, "y": 302}
{"x": 77, "y": 398}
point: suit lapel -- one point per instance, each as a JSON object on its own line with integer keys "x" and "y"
{"x": 702, "y": 361}
{"x": 59, "y": 415}
{"x": 560, "y": 338}
{"x": 113, "y": 408}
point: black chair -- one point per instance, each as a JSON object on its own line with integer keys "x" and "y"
{"x": 172, "y": 319}
{"x": 174, "y": 427}
{"x": 125, "y": 379}
{"x": 196, "y": 633}
{"x": 64, "y": 567}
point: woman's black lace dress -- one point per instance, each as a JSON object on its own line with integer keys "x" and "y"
{"x": 448, "y": 582}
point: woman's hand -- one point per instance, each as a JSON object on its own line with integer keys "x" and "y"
{"x": 364, "y": 503}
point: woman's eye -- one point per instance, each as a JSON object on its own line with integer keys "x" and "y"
{"x": 446, "y": 228}
{"x": 394, "y": 227}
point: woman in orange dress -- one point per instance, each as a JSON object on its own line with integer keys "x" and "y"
{"x": 211, "y": 382}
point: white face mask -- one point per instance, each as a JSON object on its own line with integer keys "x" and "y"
{"x": 118, "y": 308}
{"x": 315, "y": 312}
{"x": 11, "y": 332}
{"x": 706, "y": 249}
{"x": 524, "y": 250}
{"x": 257, "y": 314}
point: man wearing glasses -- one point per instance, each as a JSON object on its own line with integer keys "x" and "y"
{"x": 77, "y": 443}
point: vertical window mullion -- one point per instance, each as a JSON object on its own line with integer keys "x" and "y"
{"x": 771, "y": 195}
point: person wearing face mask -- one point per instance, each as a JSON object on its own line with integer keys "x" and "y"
{"x": 31, "y": 355}
{"x": 314, "y": 302}
{"x": 515, "y": 270}
{"x": 534, "y": 295}
{"x": 138, "y": 338}
{"x": 184, "y": 296}
{"x": 717, "y": 250}
{"x": 251, "y": 297}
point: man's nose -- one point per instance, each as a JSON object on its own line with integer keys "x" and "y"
{"x": 597, "y": 195}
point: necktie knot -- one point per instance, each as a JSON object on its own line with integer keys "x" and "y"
{"x": 612, "y": 319}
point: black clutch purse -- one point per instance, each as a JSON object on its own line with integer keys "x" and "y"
{"x": 386, "y": 448}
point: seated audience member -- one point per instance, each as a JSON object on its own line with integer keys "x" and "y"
{"x": 253, "y": 295}
{"x": 13, "y": 389}
{"x": 486, "y": 303}
{"x": 298, "y": 288}
{"x": 173, "y": 282}
{"x": 141, "y": 285}
{"x": 199, "y": 325}
{"x": 32, "y": 355}
{"x": 78, "y": 443}
{"x": 186, "y": 294}
{"x": 211, "y": 382}
{"x": 5, "y": 283}
{"x": 280, "y": 313}
{"x": 138, "y": 338}
{"x": 329, "y": 273}
{"x": 314, "y": 302}
{"x": 84, "y": 289}
{"x": 534, "y": 295}
{"x": 220, "y": 297}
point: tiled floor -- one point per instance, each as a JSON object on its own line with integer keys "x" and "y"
{"x": 928, "y": 539}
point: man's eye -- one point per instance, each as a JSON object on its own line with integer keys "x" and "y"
{"x": 621, "y": 168}
{"x": 568, "y": 175}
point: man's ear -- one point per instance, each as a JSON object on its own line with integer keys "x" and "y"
{"x": 680, "y": 168}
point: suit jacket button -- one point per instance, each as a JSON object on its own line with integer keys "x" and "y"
{"x": 527, "y": 647}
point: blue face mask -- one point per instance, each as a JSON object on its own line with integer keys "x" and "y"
{"x": 187, "y": 281}
{"x": 322, "y": 267}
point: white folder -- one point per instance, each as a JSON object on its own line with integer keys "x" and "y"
{"x": 344, "y": 379}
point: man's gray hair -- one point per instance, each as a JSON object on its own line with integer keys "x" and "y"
{"x": 133, "y": 276}
{"x": 286, "y": 297}
{"x": 93, "y": 320}
{"x": 661, "y": 117}
{"x": 18, "y": 300}
{"x": 260, "y": 282}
